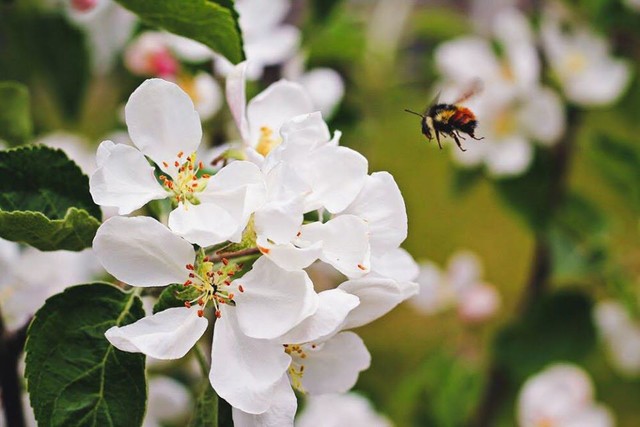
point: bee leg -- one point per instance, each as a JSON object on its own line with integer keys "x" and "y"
{"x": 455, "y": 137}
{"x": 459, "y": 136}
{"x": 438, "y": 139}
{"x": 477, "y": 139}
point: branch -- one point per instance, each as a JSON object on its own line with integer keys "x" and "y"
{"x": 11, "y": 347}
{"x": 237, "y": 254}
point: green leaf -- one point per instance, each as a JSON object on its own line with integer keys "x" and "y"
{"x": 558, "y": 328}
{"x": 45, "y": 200}
{"x": 74, "y": 375}
{"x": 15, "y": 115}
{"x": 322, "y": 9}
{"x": 212, "y": 22}
{"x": 528, "y": 195}
{"x": 206, "y": 411}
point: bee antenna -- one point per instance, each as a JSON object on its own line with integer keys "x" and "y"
{"x": 413, "y": 112}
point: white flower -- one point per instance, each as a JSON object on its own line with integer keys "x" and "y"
{"x": 30, "y": 276}
{"x": 324, "y": 86}
{"x": 169, "y": 402}
{"x": 621, "y": 336}
{"x": 561, "y": 396}
{"x": 458, "y": 286}
{"x": 107, "y": 25}
{"x": 581, "y": 61}
{"x": 266, "y": 40}
{"x": 157, "y": 54}
{"x": 164, "y": 127}
{"x": 260, "y": 120}
{"x": 340, "y": 410}
{"x": 513, "y": 109}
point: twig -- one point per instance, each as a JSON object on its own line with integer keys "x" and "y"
{"x": 11, "y": 346}
{"x": 237, "y": 254}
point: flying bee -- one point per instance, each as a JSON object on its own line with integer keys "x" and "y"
{"x": 450, "y": 119}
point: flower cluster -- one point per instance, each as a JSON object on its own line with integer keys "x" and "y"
{"x": 301, "y": 198}
{"x": 459, "y": 286}
{"x": 561, "y": 395}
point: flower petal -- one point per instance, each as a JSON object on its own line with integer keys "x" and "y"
{"x": 396, "y": 264}
{"x": 325, "y": 87}
{"x": 208, "y": 96}
{"x": 245, "y": 371}
{"x": 124, "y": 179}
{"x": 542, "y": 115}
{"x": 205, "y": 224}
{"x": 464, "y": 270}
{"x": 333, "y": 307}
{"x": 166, "y": 335}
{"x": 381, "y": 205}
{"x": 280, "y": 414}
{"x": 334, "y": 366}
{"x": 288, "y": 256}
{"x": 511, "y": 156}
{"x": 345, "y": 243}
{"x": 275, "y": 105}
{"x": 236, "y": 98}
{"x": 274, "y": 300}
{"x": 307, "y": 129}
{"x": 162, "y": 121}
{"x": 272, "y": 48}
{"x": 142, "y": 252}
{"x": 378, "y": 296}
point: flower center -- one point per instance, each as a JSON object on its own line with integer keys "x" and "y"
{"x": 162, "y": 64}
{"x": 267, "y": 141}
{"x": 505, "y": 123}
{"x": 212, "y": 284}
{"x": 188, "y": 84}
{"x": 186, "y": 184}
{"x": 298, "y": 353}
{"x": 575, "y": 63}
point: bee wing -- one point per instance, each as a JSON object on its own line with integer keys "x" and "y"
{"x": 474, "y": 88}
{"x": 433, "y": 102}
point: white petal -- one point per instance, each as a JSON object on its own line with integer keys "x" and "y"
{"x": 166, "y": 335}
{"x": 142, "y": 252}
{"x": 280, "y": 414}
{"x": 259, "y": 17}
{"x": 334, "y": 366}
{"x": 381, "y": 205}
{"x": 274, "y": 300}
{"x": 188, "y": 49}
{"x": 511, "y": 156}
{"x": 339, "y": 410}
{"x": 236, "y": 98}
{"x": 169, "y": 400}
{"x": 245, "y": 371}
{"x": 278, "y": 103}
{"x": 205, "y": 224}
{"x": 124, "y": 179}
{"x": 345, "y": 243}
{"x": 273, "y": 48}
{"x": 162, "y": 121}
{"x": 208, "y": 95}
{"x": 325, "y": 87}
{"x": 336, "y": 176}
{"x": 601, "y": 84}
{"x": 307, "y": 129}
{"x": 333, "y": 307}
{"x": 478, "y": 303}
{"x": 378, "y": 296}
{"x": 279, "y": 222}
{"x": 396, "y": 264}
{"x": 453, "y": 59}
{"x": 435, "y": 294}
{"x": 464, "y": 270}
{"x": 592, "y": 416}
{"x": 288, "y": 256}
{"x": 542, "y": 115}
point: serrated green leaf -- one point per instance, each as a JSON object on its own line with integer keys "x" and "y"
{"x": 15, "y": 115}
{"x": 559, "y": 327}
{"x": 74, "y": 375}
{"x": 210, "y": 22}
{"x": 74, "y": 232}
{"x": 45, "y": 200}
{"x": 206, "y": 411}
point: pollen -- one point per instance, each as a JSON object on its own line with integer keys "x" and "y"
{"x": 267, "y": 141}
{"x": 186, "y": 185}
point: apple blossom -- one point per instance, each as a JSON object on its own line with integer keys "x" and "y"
{"x": 267, "y": 41}
{"x": 561, "y": 396}
{"x": 621, "y": 336}
{"x": 164, "y": 127}
{"x": 340, "y": 410}
{"x": 513, "y": 109}
{"x": 169, "y": 401}
{"x": 458, "y": 286}
{"x": 581, "y": 62}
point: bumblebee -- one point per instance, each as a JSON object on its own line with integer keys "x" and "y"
{"x": 450, "y": 119}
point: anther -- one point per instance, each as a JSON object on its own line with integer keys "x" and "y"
{"x": 200, "y": 313}
{"x": 218, "y": 314}
{"x": 187, "y": 304}
{"x": 225, "y": 261}
{"x": 187, "y": 283}
{"x": 240, "y": 288}
{"x": 189, "y": 266}
{"x": 165, "y": 164}
{"x": 192, "y": 275}
{"x": 206, "y": 175}
{"x": 176, "y": 164}
{"x": 362, "y": 267}
{"x": 180, "y": 154}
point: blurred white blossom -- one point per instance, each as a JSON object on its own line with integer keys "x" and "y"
{"x": 561, "y": 395}
{"x": 621, "y": 336}
{"x": 514, "y": 109}
{"x": 169, "y": 401}
{"x": 340, "y": 410}
{"x": 580, "y": 60}
{"x": 460, "y": 285}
